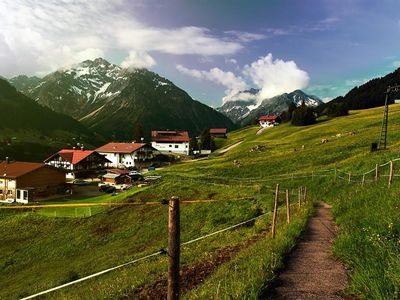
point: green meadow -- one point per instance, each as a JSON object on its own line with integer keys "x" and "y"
{"x": 44, "y": 248}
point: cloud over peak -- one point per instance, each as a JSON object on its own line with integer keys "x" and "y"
{"x": 271, "y": 77}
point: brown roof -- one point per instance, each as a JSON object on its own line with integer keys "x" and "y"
{"x": 16, "y": 169}
{"x": 218, "y": 130}
{"x": 118, "y": 171}
{"x": 120, "y": 147}
{"x": 267, "y": 118}
{"x": 169, "y": 136}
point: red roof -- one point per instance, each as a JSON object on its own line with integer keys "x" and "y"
{"x": 169, "y": 136}
{"x": 71, "y": 155}
{"x": 267, "y": 118}
{"x": 120, "y": 147}
{"x": 16, "y": 169}
{"x": 218, "y": 130}
{"x": 74, "y": 156}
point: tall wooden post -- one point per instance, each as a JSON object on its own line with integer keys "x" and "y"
{"x": 287, "y": 206}
{"x": 349, "y": 177}
{"x": 299, "y": 197}
{"x": 391, "y": 173}
{"x": 376, "y": 173}
{"x": 273, "y": 229}
{"x": 173, "y": 249}
{"x": 305, "y": 194}
{"x": 363, "y": 180}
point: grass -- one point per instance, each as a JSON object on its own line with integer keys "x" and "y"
{"x": 60, "y": 249}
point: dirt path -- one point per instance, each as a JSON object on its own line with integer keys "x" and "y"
{"x": 230, "y": 147}
{"x": 311, "y": 271}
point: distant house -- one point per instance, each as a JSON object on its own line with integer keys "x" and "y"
{"x": 171, "y": 141}
{"x": 218, "y": 132}
{"x": 24, "y": 181}
{"x": 116, "y": 179}
{"x": 269, "y": 121}
{"x": 126, "y": 154}
{"x": 78, "y": 163}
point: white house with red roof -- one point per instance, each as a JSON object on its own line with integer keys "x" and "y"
{"x": 269, "y": 121}
{"x": 126, "y": 154}
{"x": 78, "y": 163}
{"x": 170, "y": 141}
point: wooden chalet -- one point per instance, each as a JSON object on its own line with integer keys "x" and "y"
{"x": 218, "y": 132}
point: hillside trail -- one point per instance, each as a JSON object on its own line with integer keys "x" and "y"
{"x": 312, "y": 272}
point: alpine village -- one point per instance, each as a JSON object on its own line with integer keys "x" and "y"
{"x": 146, "y": 154}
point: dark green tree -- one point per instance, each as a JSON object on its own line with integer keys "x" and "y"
{"x": 138, "y": 133}
{"x": 206, "y": 141}
{"x": 303, "y": 116}
{"x": 193, "y": 144}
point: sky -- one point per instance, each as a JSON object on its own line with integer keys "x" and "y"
{"x": 211, "y": 49}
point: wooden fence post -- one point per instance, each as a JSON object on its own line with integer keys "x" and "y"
{"x": 173, "y": 249}
{"x": 376, "y": 173}
{"x": 299, "y": 197}
{"x": 363, "y": 180}
{"x": 349, "y": 177}
{"x": 305, "y": 194}
{"x": 287, "y": 206}
{"x": 273, "y": 229}
{"x": 391, "y": 173}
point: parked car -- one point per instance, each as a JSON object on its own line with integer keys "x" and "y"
{"x": 106, "y": 188}
{"x": 80, "y": 182}
{"x": 151, "y": 168}
{"x": 135, "y": 175}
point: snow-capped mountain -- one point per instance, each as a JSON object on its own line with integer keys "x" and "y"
{"x": 244, "y": 112}
{"x": 240, "y": 105}
{"x": 112, "y": 100}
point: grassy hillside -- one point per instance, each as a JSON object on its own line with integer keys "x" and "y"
{"x": 29, "y": 131}
{"x": 39, "y": 251}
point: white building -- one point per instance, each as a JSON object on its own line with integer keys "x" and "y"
{"x": 269, "y": 121}
{"x": 124, "y": 155}
{"x": 171, "y": 141}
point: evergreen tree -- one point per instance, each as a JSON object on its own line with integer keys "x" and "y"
{"x": 138, "y": 133}
{"x": 206, "y": 142}
{"x": 303, "y": 116}
{"x": 193, "y": 144}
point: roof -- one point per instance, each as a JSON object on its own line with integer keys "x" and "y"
{"x": 16, "y": 169}
{"x": 74, "y": 156}
{"x": 268, "y": 118}
{"x": 111, "y": 175}
{"x": 118, "y": 171}
{"x": 169, "y": 136}
{"x": 120, "y": 147}
{"x": 218, "y": 130}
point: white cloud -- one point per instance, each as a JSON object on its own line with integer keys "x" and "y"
{"x": 138, "y": 60}
{"x": 272, "y": 77}
{"x": 40, "y": 36}
{"x": 229, "y": 80}
{"x": 275, "y": 77}
{"x": 245, "y": 37}
{"x": 396, "y": 64}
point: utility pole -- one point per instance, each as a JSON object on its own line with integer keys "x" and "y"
{"x": 383, "y": 137}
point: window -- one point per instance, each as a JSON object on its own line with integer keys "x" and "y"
{"x": 176, "y": 146}
{"x": 25, "y": 195}
{"x": 170, "y": 146}
{"x": 1, "y": 192}
{"x": 9, "y": 192}
{"x": 18, "y": 194}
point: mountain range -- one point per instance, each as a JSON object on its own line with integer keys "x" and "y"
{"x": 31, "y": 131}
{"x": 111, "y": 101}
{"x": 243, "y": 112}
